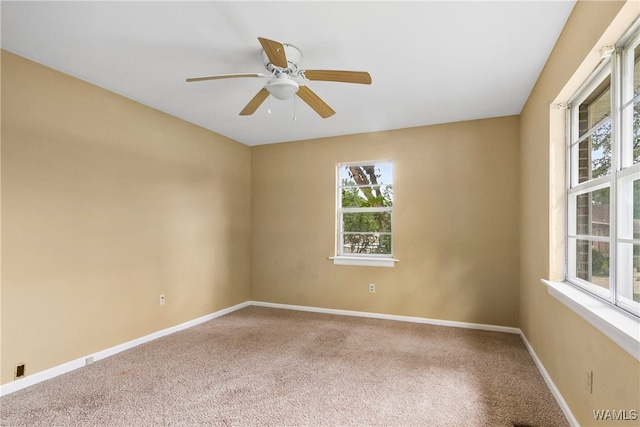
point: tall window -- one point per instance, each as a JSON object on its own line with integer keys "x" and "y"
{"x": 365, "y": 209}
{"x": 603, "y": 223}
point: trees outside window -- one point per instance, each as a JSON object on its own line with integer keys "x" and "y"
{"x": 365, "y": 209}
{"x": 603, "y": 194}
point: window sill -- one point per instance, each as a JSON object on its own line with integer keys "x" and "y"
{"x": 621, "y": 328}
{"x": 363, "y": 261}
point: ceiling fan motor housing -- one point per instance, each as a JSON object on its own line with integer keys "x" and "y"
{"x": 294, "y": 58}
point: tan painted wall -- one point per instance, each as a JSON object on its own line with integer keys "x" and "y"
{"x": 564, "y": 342}
{"x": 455, "y": 222}
{"x": 105, "y": 205}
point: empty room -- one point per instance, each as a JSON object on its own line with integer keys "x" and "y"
{"x": 321, "y": 213}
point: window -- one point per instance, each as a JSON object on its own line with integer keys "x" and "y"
{"x": 365, "y": 211}
{"x": 603, "y": 196}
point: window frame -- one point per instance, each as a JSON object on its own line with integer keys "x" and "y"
{"x": 618, "y": 67}
{"x": 369, "y": 259}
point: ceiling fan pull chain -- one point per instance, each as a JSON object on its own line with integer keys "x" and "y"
{"x": 294, "y": 108}
{"x": 269, "y": 106}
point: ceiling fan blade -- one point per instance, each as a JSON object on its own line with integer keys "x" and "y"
{"x": 361, "y": 77}
{"x": 314, "y": 101}
{"x": 275, "y": 52}
{"x": 253, "y": 105}
{"x": 224, "y": 76}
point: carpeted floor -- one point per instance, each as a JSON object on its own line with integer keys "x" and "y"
{"x": 268, "y": 367}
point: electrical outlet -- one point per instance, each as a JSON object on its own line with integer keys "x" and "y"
{"x": 161, "y": 299}
{"x": 88, "y": 361}
{"x": 588, "y": 383}
{"x": 372, "y": 288}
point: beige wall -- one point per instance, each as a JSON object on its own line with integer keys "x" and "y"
{"x": 455, "y": 223}
{"x": 105, "y": 205}
{"x": 564, "y": 342}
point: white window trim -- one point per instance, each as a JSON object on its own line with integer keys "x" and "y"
{"x": 365, "y": 261}
{"x": 608, "y": 67}
{"x": 616, "y": 324}
{"x": 619, "y": 325}
{"x": 355, "y": 259}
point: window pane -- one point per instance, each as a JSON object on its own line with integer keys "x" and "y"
{"x": 636, "y": 274}
{"x": 596, "y": 107}
{"x": 592, "y": 213}
{"x": 592, "y": 262}
{"x": 366, "y": 244}
{"x": 366, "y": 197}
{"x": 364, "y": 211}
{"x": 636, "y": 209}
{"x": 630, "y": 108}
{"x": 603, "y": 210}
{"x": 636, "y": 105}
{"x": 636, "y": 70}
{"x": 594, "y": 153}
{"x": 628, "y": 217}
{"x": 636, "y": 132}
{"x": 372, "y": 222}
{"x": 374, "y": 174}
{"x": 600, "y": 264}
{"x": 630, "y": 274}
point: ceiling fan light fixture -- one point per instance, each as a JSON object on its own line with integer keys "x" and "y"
{"x": 282, "y": 87}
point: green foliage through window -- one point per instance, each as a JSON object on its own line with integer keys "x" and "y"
{"x": 366, "y": 202}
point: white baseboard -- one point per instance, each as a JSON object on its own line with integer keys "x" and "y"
{"x": 79, "y": 363}
{"x": 422, "y": 320}
{"x": 554, "y": 390}
{"x": 29, "y": 380}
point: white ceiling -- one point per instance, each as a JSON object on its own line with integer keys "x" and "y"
{"x": 430, "y": 61}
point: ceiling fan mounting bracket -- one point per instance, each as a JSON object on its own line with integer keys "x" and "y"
{"x": 294, "y": 58}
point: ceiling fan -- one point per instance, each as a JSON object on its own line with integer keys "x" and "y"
{"x": 286, "y": 79}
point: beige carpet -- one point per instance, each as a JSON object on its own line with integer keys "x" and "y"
{"x": 267, "y": 367}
